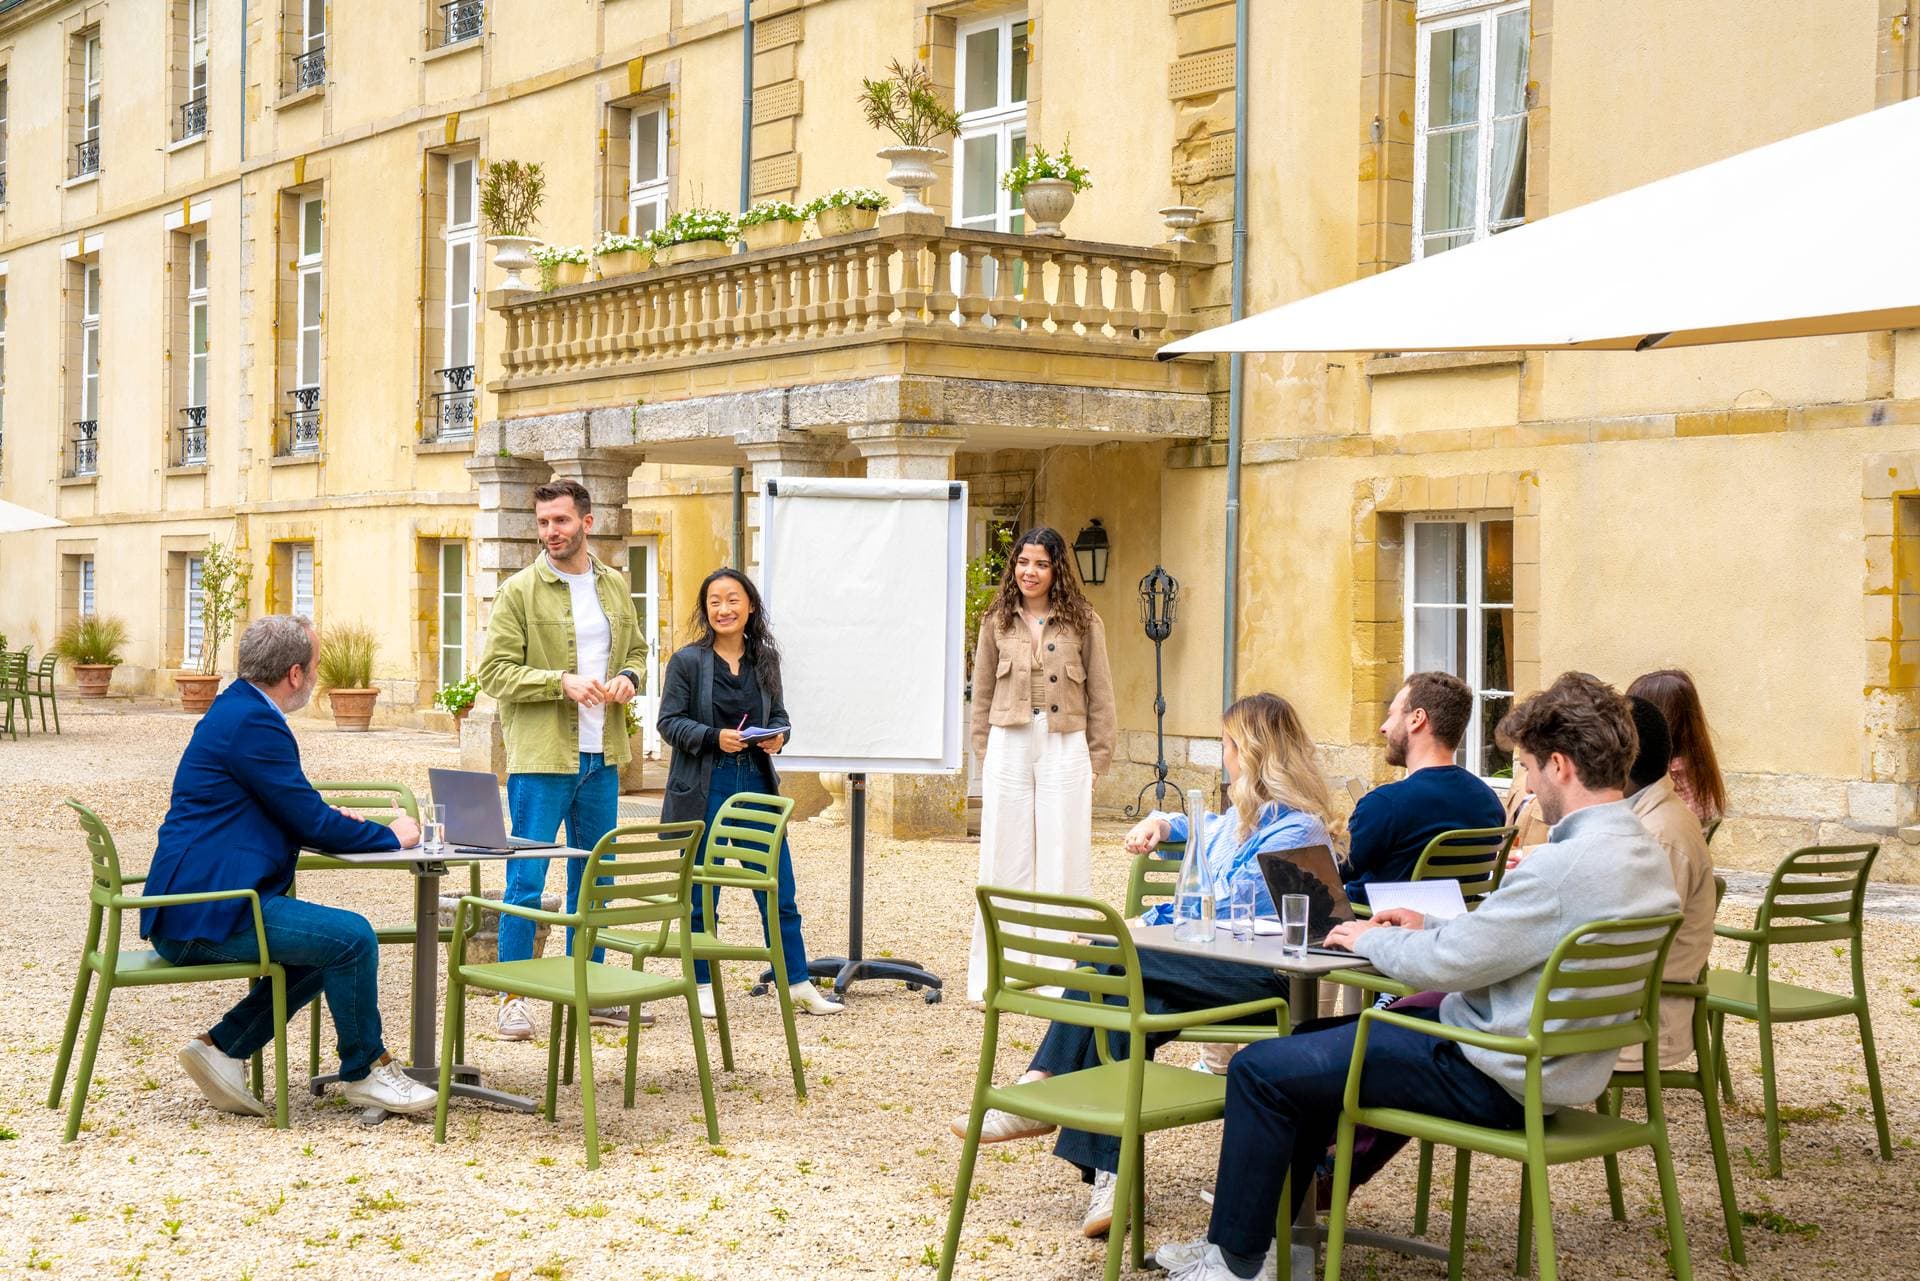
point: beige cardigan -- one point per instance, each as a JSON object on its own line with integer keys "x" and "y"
{"x": 1076, "y": 671}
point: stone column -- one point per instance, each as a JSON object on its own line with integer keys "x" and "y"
{"x": 778, "y": 451}
{"x": 507, "y": 542}
{"x": 912, "y": 806}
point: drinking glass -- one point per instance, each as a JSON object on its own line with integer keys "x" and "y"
{"x": 1293, "y": 924}
{"x": 1240, "y": 910}
{"x": 433, "y": 828}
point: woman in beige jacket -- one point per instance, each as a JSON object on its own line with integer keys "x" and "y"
{"x": 1043, "y": 729}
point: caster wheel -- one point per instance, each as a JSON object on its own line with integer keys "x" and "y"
{"x": 933, "y": 996}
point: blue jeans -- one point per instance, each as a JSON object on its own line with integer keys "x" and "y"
{"x": 1283, "y": 1104}
{"x": 589, "y": 802}
{"x": 733, "y": 774}
{"x": 323, "y": 949}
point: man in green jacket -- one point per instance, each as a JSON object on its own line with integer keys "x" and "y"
{"x": 563, "y": 647}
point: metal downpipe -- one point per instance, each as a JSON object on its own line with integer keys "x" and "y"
{"x": 1236, "y": 363}
{"x": 746, "y": 191}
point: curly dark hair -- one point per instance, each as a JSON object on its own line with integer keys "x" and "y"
{"x": 1066, "y": 602}
{"x": 1584, "y": 719}
{"x": 761, "y": 651}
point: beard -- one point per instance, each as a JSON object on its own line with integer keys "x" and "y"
{"x": 301, "y": 699}
{"x": 1396, "y": 748}
{"x": 569, "y": 549}
{"x": 1551, "y": 804}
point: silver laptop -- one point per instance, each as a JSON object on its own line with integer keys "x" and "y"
{"x": 472, "y": 802}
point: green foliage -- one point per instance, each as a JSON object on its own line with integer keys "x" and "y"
{"x": 772, "y": 211}
{"x": 346, "y": 656}
{"x": 91, "y": 639}
{"x": 510, "y": 196}
{"x": 223, "y": 589}
{"x": 699, "y": 224}
{"x": 1036, "y": 164}
{"x": 983, "y": 580}
{"x": 848, "y": 198}
{"x": 906, "y": 105}
{"x": 458, "y": 697}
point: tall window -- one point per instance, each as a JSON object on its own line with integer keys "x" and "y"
{"x": 300, "y": 574}
{"x": 991, "y": 88}
{"x": 307, "y": 37}
{"x": 1470, "y": 149}
{"x": 453, "y": 612}
{"x": 84, "y": 579}
{"x": 646, "y": 168}
{"x": 87, "y": 153}
{"x": 193, "y": 110}
{"x": 309, "y": 268}
{"x": 1459, "y": 619}
{"x": 195, "y": 612}
{"x": 455, "y": 399}
{"x": 193, "y": 428}
{"x": 90, "y": 343}
{"x": 3, "y": 369}
{"x": 3, "y": 140}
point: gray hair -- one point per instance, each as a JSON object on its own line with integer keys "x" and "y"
{"x": 273, "y": 646}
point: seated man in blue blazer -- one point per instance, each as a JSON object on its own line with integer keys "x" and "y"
{"x": 241, "y": 811}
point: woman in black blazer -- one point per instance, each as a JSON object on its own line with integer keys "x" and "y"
{"x": 726, "y": 681}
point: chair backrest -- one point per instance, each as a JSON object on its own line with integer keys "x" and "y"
{"x": 748, "y": 831}
{"x": 1020, "y": 924}
{"x": 106, "y": 856}
{"x": 1607, "y": 971}
{"x": 1474, "y": 856}
{"x": 648, "y": 873}
{"x": 378, "y": 802}
{"x": 1154, "y": 876}
{"x": 47, "y": 662}
{"x": 1358, "y": 787}
{"x": 1818, "y": 893}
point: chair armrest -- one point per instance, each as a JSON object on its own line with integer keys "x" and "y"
{"x": 1691, "y": 991}
{"x": 1735, "y": 932}
{"x": 1185, "y": 1019}
{"x": 525, "y": 913}
{"x": 1375, "y": 982}
{"x": 1430, "y": 1027}
{"x": 134, "y": 880}
{"x": 127, "y": 902}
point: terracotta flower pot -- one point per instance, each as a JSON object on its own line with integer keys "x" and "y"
{"x": 93, "y": 678}
{"x": 352, "y": 708}
{"x": 459, "y": 718}
{"x": 694, "y": 251}
{"x": 196, "y": 691}
{"x": 771, "y": 235}
{"x": 841, "y": 222}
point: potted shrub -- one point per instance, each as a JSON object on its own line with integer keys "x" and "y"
{"x": 223, "y": 586}
{"x": 457, "y": 699}
{"x": 1046, "y": 185}
{"x": 846, "y": 209}
{"x": 622, "y": 255}
{"x": 510, "y": 196}
{"x": 91, "y": 645}
{"x": 906, "y": 105}
{"x": 772, "y": 223}
{"x": 345, "y": 668}
{"x": 561, "y": 265}
{"x": 694, "y": 234}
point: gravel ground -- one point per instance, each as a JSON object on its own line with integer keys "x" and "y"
{"x": 851, "y": 1184}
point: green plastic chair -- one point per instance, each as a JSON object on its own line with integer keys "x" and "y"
{"x": 13, "y": 690}
{"x": 638, "y": 874}
{"x": 747, "y": 834}
{"x": 1474, "y": 856}
{"x": 1154, "y": 876}
{"x": 1603, "y": 970}
{"x": 40, "y": 685}
{"x": 1129, "y": 1098}
{"x": 1817, "y": 895}
{"x": 149, "y": 969}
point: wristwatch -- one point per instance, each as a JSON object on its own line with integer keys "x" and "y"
{"x": 632, "y": 676}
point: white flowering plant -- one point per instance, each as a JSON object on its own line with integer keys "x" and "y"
{"x": 1036, "y": 164}
{"x": 772, "y": 211}
{"x": 551, "y": 255}
{"x": 700, "y": 224}
{"x": 615, "y": 243}
{"x": 458, "y": 697}
{"x": 848, "y": 198}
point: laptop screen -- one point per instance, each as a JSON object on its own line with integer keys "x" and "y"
{"x": 472, "y": 802}
{"x": 1309, "y": 870}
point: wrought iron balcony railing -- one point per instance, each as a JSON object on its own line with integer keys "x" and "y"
{"x": 301, "y": 434}
{"x": 86, "y": 157}
{"x": 190, "y": 440}
{"x": 462, "y": 20}
{"x": 83, "y": 449}
{"x": 310, "y": 68}
{"x": 452, "y": 408}
{"x": 193, "y": 119}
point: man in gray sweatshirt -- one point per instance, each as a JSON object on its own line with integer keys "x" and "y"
{"x": 1576, "y": 740}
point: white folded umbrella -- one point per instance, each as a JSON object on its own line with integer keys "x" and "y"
{"x": 1807, "y": 236}
{"x": 15, "y": 519}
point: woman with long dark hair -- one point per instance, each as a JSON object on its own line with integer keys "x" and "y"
{"x": 1694, "y": 768}
{"x": 1043, "y": 729}
{"x": 725, "y": 681}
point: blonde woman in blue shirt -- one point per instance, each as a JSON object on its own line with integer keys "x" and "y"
{"x": 1280, "y": 801}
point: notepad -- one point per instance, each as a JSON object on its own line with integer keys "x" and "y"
{"x": 1438, "y": 900}
{"x": 756, "y": 733}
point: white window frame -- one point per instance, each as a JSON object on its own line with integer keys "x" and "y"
{"x": 1470, "y": 667}
{"x": 90, "y": 342}
{"x": 3, "y": 361}
{"x": 199, "y": 320}
{"x": 644, "y": 588}
{"x": 650, "y": 191}
{"x": 84, "y": 582}
{"x": 90, "y": 76}
{"x": 462, "y": 237}
{"x": 299, "y": 565}
{"x": 309, "y": 271}
{"x": 196, "y": 49}
{"x": 1005, "y": 121}
{"x": 194, "y": 613}
{"x": 4, "y": 87}
{"x": 1442, "y": 15}
{"x": 453, "y": 654}
{"x": 313, "y": 25}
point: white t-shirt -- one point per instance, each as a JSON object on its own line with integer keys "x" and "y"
{"x": 592, "y": 645}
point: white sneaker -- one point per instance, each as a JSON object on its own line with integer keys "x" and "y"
{"x": 999, "y": 1127}
{"x": 1100, "y": 1209}
{"x": 221, "y": 1079}
{"x": 1185, "y": 1254}
{"x": 616, "y": 1016}
{"x": 809, "y": 999}
{"x": 1207, "y": 1265}
{"x": 705, "y": 991}
{"x": 516, "y": 1024}
{"x": 390, "y": 1088}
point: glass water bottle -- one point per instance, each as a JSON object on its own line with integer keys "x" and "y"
{"x": 1193, "y": 902}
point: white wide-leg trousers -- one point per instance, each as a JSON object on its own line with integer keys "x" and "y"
{"x": 1036, "y": 822}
